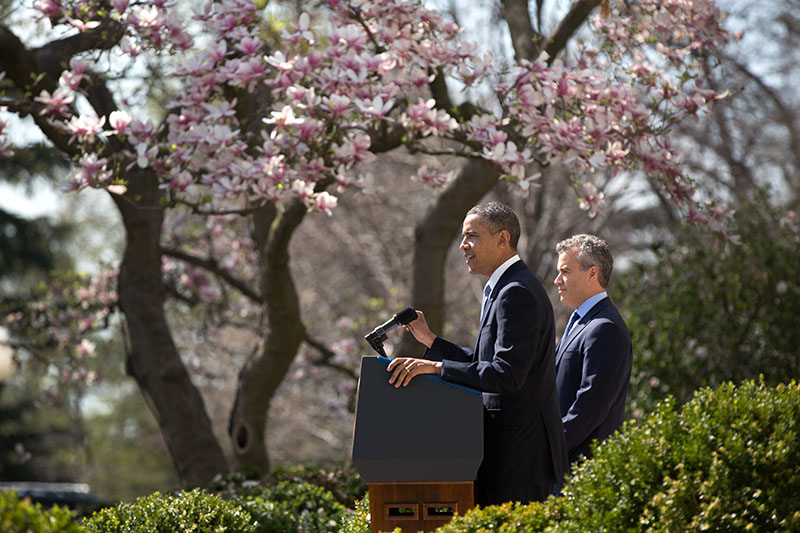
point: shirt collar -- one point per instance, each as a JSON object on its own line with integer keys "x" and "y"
{"x": 499, "y": 271}
{"x": 590, "y": 302}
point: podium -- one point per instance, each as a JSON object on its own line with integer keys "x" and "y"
{"x": 418, "y": 448}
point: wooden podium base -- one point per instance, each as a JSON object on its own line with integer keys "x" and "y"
{"x": 417, "y": 506}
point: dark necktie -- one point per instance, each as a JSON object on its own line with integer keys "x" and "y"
{"x": 487, "y": 290}
{"x": 574, "y": 317}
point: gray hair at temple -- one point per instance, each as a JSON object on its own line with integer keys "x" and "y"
{"x": 592, "y": 251}
{"x": 497, "y": 217}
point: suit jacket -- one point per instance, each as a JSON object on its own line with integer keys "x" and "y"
{"x": 513, "y": 365}
{"x": 593, "y": 370}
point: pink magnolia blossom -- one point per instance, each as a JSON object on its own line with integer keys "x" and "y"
{"x": 119, "y": 121}
{"x": 85, "y": 127}
{"x": 376, "y": 107}
{"x": 303, "y": 29}
{"x": 6, "y": 149}
{"x": 221, "y": 110}
{"x": 83, "y": 26}
{"x": 145, "y": 154}
{"x": 140, "y": 131}
{"x": 130, "y": 47}
{"x": 70, "y": 81}
{"x": 433, "y": 177}
{"x": 57, "y": 104}
{"x": 338, "y": 104}
{"x": 120, "y": 5}
{"x": 47, "y": 8}
{"x": 85, "y": 348}
{"x": 249, "y": 45}
{"x": 284, "y": 117}
{"x": 145, "y": 17}
{"x": 591, "y": 200}
{"x": 91, "y": 171}
{"x": 325, "y": 202}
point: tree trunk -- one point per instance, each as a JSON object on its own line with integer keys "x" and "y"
{"x": 152, "y": 357}
{"x": 282, "y": 335}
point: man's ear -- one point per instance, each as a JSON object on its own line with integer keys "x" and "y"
{"x": 505, "y": 238}
{"x": 594, "y": 272}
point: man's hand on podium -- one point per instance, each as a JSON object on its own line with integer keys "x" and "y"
{"x": 404, "y": 369}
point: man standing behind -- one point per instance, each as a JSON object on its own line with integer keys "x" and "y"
{"x": 512, "y": 364}
{"x": 594, "y": 357}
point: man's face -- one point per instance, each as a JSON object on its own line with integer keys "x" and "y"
{"x": 483, "y": 250}
{"x": 572, "y": 282}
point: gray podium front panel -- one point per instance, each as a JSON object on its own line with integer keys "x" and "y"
{"x": 429, "y": 431}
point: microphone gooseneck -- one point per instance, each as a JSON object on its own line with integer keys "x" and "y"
{"x": 376, "y": 337}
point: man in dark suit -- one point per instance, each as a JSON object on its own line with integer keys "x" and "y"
{"x": 512, "y": 364}
{"x": 594, "y": 357}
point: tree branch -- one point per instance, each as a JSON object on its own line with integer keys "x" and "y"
{"x": 577, "y": 15}
{"x": 523, "y": 37}
{"x": 440, "y": 92}
{"x": 212, "y": 266}
{"x": 784, "y": 114}
{"x": 326, "y": 356}
{"x": 54, "y": 57}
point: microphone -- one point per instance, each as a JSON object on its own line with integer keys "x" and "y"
{"x": 376, "y": 337}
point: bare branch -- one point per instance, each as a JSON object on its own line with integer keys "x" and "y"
{"x": 577, "y": 15}
{"x": 213, "y": 266}
{"x": 524, "y": 38}
{"x": 326, "y": 356}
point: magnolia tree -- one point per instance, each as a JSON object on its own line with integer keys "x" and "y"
{"x": 265, "y": 128}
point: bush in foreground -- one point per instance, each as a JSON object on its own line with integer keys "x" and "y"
{"x": 22, "y": 516}
{"x": 293, "y": 506}
{"x": 729, "y": 460}
{"x": 195, "y": 511}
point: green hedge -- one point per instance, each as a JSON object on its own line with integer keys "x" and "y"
{"x": 293, "y": 506}
{"x": 728, "y": 461}
{"x": 22, "y": 516}
{"x": 195, "y": 511}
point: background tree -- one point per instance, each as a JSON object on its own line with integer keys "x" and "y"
{"x": 753, "y": 139}
{"x": 705, "y": 312}
{"x": 264, "y": 133}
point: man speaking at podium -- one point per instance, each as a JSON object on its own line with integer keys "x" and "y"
{"x": 513, "y": 364}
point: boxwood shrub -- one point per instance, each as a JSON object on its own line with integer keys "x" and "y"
{"x": 293, "y": 506}
{"x": 345, "y": 484}
{"x": 729, "y": 460}
{"x": 195, "y": 511}
{"x": 22, "y": 516}
{"x": 357, "y": 520}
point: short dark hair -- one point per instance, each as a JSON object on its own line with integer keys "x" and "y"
{"x": 592, "y": 251}
{"x": 498, "y": 217}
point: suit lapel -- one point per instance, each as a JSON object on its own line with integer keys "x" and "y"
{"x": 578, "y": 327}
{"x": 504, "y": 279}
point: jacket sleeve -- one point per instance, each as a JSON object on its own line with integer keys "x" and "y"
{"x": 444, "y": 349}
